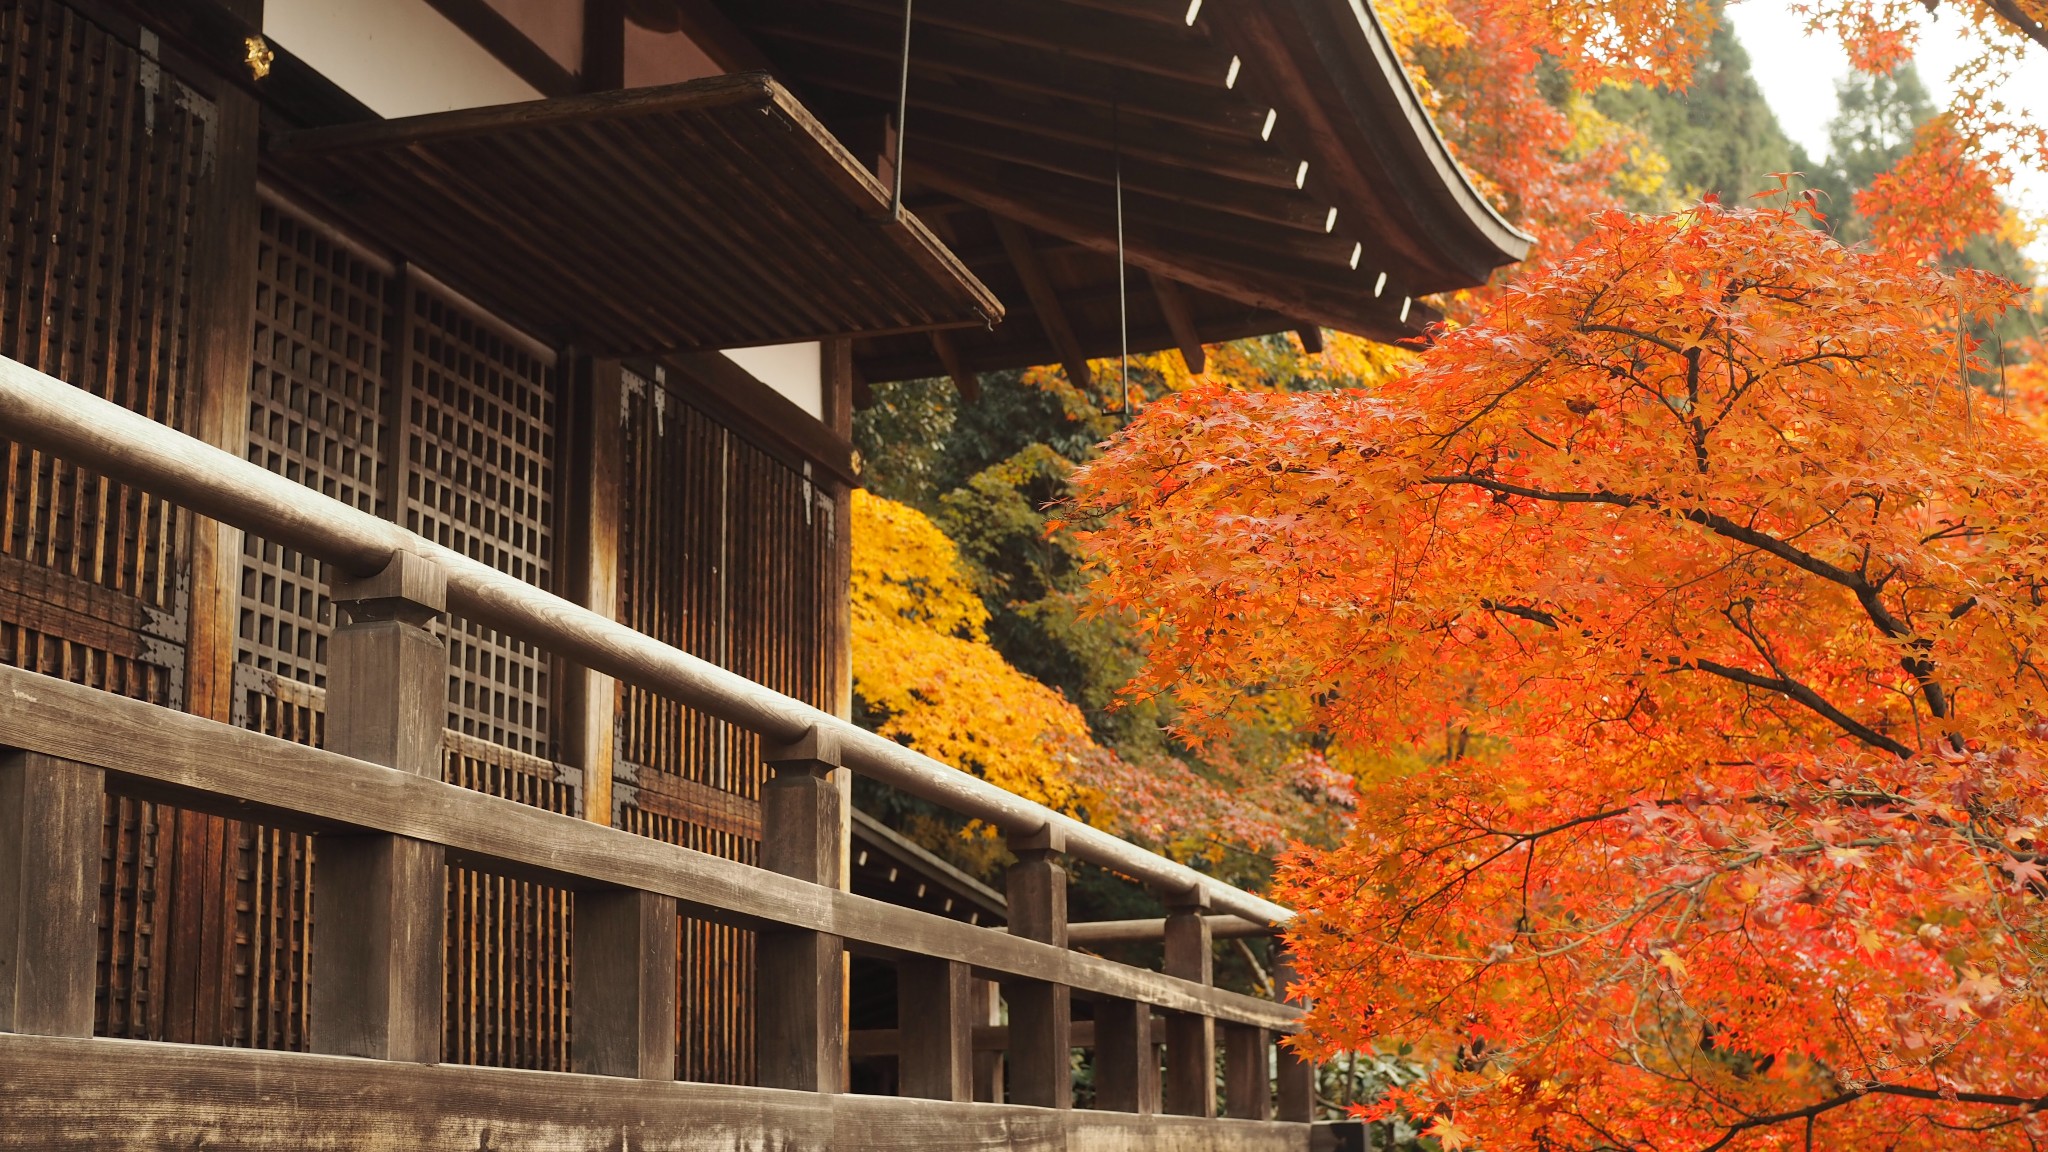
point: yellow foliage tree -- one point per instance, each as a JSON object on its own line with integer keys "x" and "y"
{"x": 923, "y": 667}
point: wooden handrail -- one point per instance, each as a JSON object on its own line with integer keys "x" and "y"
{"x": 48, "y": 414}
{"x": 204, "y": 765}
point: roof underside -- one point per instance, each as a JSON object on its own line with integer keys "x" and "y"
{"x": 1274, "y": 164}
{"x": 712, "y": 214}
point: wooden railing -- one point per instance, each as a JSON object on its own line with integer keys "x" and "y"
{"x": 386, "y": 827}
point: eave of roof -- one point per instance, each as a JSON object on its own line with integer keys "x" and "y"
{"x": 717, "y": 213}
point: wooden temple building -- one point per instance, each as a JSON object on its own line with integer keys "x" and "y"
{"x": 424, "y": 559}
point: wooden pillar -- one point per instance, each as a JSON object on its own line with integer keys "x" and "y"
{"x": 934, "y": 1021}
{"x": 1247, "y": 1072}
{"x": 624, "y": 983}
{"x": 1190, "y": 1039}
{"x": 377, "y": 939}
{"x": 49, "y": 893}
{"x": 800, "y": 1029}
{"x": 592, "y": 451}
{"x": 1296, "y": 1075}
{"x": 1126, "y": 1063}
{"x": 1041, "y": 1014}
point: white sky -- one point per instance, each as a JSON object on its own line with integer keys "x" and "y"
{"x": 1798, "y": 72}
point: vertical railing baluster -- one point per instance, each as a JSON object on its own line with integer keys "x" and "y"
{"x": 800, "y": 1033}
{"x": 50, "y": 812}
{"x": 935, "y": 1029}
{"x": 1126, "y": 1063}
{"x": 1297, "y": 1075}
{"x": 1247, "y": 1072}
{"x": 624, "y": 985}
{"x": 1190, "y": 1038}
{"x": 1041, "y": 1014}
{"x": 377, "y": 938}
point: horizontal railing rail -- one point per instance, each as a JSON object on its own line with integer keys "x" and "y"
{"x": 46, "y": 413}
{"x": 203, "y": 765}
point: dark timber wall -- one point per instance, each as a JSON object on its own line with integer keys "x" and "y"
{"x": 370, "y": 382}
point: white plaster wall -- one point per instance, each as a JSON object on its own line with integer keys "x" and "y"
{"x": 400, "y": 57}
{"x": 795, "y": 370}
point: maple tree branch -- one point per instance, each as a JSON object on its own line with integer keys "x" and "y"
{"x": 1994, "y": 1099}
{"x": 2029, "y": 27}
{"x": 1793, "y": 689}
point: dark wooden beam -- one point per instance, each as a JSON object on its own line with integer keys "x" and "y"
{"x": 83, "y": 1095}
{"x": 967, "y": 383}
{"x": 1045, "y": 299}
{"x": 1181, "y": 322}
{"x": 713, "y": 32}
{"x": 1311, "y": 339}
{"x": 604, "y": 46}
{"x": 1138, "y": 47}
{"x": 1201, "y": 254}
{"x": 869, "y": 43}
{"x": 510, "y": 46}
{"x": 1234, "y": 155}
{"x": 1041, "y": 1014}
{"x": 1190, "y": 1088}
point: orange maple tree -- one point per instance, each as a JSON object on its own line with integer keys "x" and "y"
{"x": 1736, "y": 597}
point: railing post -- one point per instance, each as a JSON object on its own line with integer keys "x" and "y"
{"x": 1247, "y": 1072}
{"x": 935, "y": 1029}
{"x": 623, "y": 948}
{"x": 1126, "y": 1062}
{"x": 377, "y": 939}
{"x": 1297, "y": 1076}
{"x": 1190, "y": 1039}
{"x": 50, "y": 812}
{"x": 1041, "y": 1014}
{"x": 800, "y": 1028}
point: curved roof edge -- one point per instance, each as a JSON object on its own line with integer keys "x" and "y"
{"x": 1477, "y": 214}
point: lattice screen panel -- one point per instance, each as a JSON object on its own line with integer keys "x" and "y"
{"x": 724, "y": 552}
{"x": 480, "y": 479}
{"x": 102, "y": 157}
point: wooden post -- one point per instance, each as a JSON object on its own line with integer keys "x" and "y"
{"x": 588, "y": 499}
{"x": 1296, "y": 1075}
{"x": 934, "y": 1006}
{"x": 624, "y": 983}
{"x": 49, "y": 893}
{"x": 1126, "y": 1063}
{"x": 377, "y": 940}
{"x": 1041, "y": 1014}
{"x": 800, "y": 1028}
{"x": 1190, "y": 1039}
{"x": 1247, "y": 1072}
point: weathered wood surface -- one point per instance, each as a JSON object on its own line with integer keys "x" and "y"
{"x": 1041, "y": 1013}
{"x": 625, "y": 949}
{"x": 49, "y": 894}
{"x": 201, "y": 764}
{"x": 1190, "y": 1088}
{"x": 800, "y": 1039}
{"x": 44, "y": 412}
{"x": 78, "y": 1095}
{"x": 934, "y": 1034}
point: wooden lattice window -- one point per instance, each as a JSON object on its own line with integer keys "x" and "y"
{"x": 103, "y": 159}
{"x": 724, "y": 552}
{"x": 479, "y": 442}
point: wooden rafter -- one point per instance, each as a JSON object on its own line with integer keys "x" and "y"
{"x": 508, "y": 45}
{"x": 1173, "y": 305}
{"x": 1052, "y": 315}
{"x": 967, "y": 383}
